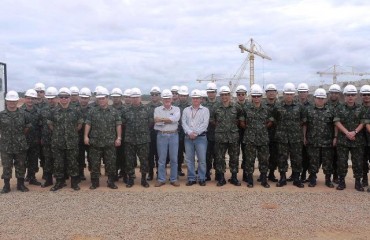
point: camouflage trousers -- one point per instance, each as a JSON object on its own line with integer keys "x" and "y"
{"x": 242, "y": 147}
{"x": 210, "y": 156}
{"x": 181, "y": 150}
{"x": 233, "y": 150}
{"x": 120, "y": 159}
{"x": 108, "y": 154}
{"x": 318, "y": 156}
{"x": 139, "y": 150}
{"x": 366, "y": 160}
{"x": 357, "y": 154}
{"x": 261, "y": 152}
{"x": 49, "y": 159}
{"x": 153, "y": 153}
{"x": 305, "y": 159}
{"x": 292, "y": 151}
{"x": 16, "y": 159}
{"x": 273, "y": 156}
{"x": 32, "y": 159}
{"x": 82, "y": 150}
{"x": 63, "y": 158}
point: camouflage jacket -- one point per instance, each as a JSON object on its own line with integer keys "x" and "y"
{"x": 256, "y": 132}
{"x": 42, "y": 104}
{"x": 320, "y": 126}
{"x": 136, "y": 122}
{"x": 150, "y": 108}
{"x": 226, "y": 120}
{"x": 12, "y": 126}
{"x": 211, "y": 127}
{"x": 65, "y": 123}
{"x": 33, "y": 135}
{"x": 45, "y": 130}
{"x": 84, "y": 111}
{"x": 351, "y": 117}
{"x": 271, "y": 130}
{"x": 289, "y": 120}
{"x": 103, "y": 124}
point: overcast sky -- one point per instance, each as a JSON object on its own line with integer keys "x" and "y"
{"x": 125, "y": 44}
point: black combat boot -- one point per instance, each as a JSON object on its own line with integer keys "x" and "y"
{"x": 6, "y": 187}
{"x": 365, "y": 180}
{"x": 150, "y": 175}
{"x": 272, "y": 177}
{"x": 32, "y": 180}
{"x": 48, "y": 180}
{"x": 341, "y": 183}
{"x": 245, "y": 175}
{"x": 358, "y": 185}
{"x": 130, "y": 182}
{"x": 312, "y": 180}
{"x": 250, "y": 180}
{"x": 290, "y": 179}
{"x": 58, "y": 185}
{"x": 82, "y": 175}
{"x": 221, "y": 180}
{"x": 282, "y": 181}
{"x": 297, "y": 181}
{"x": 124, "y": 177}
{"x": 110, "y": 183}
{"x": 264, "y": 180}
{"x": 234, "y": 180}
{"x": 144, "y": 183}
{"x": 328, "y": 182}
{"x": 74, "y": 183}
{"x": 20, "y": 185}
{"x": 304, "y": 177}
{"x": 94, "y": 183}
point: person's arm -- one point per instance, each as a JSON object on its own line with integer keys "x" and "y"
{"x": 118, "y": 141}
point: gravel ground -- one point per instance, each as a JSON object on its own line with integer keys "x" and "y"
{"x": 195, "y": 212}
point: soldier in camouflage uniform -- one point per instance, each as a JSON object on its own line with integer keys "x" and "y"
{"x": 136, "y": 121}
{"x": 103, "y": 134}
{"x": 258, "y": 118}
{"x": 65, "y": 122}
{"x": 175, "y": 95}
{"x": 33, "y": 136}
{"x": 226, "y": 116}
{"x": 365, "y": 95}
{"x": 155, "y": 93}
{"x": 289, "y": 117}
{"x": 318, "y": 138}
{"x": 51, "y": 96}
{"x": 350, "y": 120}
{"x": 75, "y": 100}
{"x": 13, "y": 144}
{"x": 271, "y": 101}
{"x": 210, "y": 157}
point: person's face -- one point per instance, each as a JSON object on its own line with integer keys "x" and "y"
{"x": 135, "y": 101}
{"x": 29, "y": 101}
{"x": 365, "y": 97}
{"x": 40, "y": 94}
{"x": 225, "y": 97}
{"x": 117, "y": 100}
{"x": 256, "y": 99}
{"x": 102, "y": 101}
{"x": 175, "y": 96}
{"x": 166, "y": 102}
{"x": 320, "y": 102}
{"x": 350, "y": 98}
{"x": 183, "y": 98}
{"x": 271, "y": 94}
{"x": 196, "y": 101}
{"x": 155, "y": 97}
{"x": 11, "y": 105}
{"x": 288, "y": 97}
{"x": 334, "y": 96}
{"x": 53, "y": 101}
{"x": 127, "y": 100}
{"x": 64, "y": 100}
{"x": 84, "y": 101}
{"x": 74, "y": 98}
{"x": 303, "y": 95}
{"x": 241, "y": 96}
{"x": 212, "y": 95}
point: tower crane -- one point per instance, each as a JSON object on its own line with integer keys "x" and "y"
{"x": 334, "y": 72}
{"x": 252, "y": 50}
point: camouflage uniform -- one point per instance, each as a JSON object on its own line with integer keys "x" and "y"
{"x": 241, "y": 139}
{"x": 335, "y": 106}
{"x": 102, "y": 136}
{"x": 366, "y": 158}
{"x": 13, "y": 143}
{"x": 305, "y": 158}
{"x": 153, "y": 154}
{"x": 120, "y": 150}
{"x": 226, "y": 121}
{"x": 82, "y": 147}
{"x": 350, "y": 117}
{"x": 136, "y": 121}
{"x": 210, "y": 157}
{"x": 273, "y": 151}
{"x": 64, "y": 141}
{"x": 40, "y": 107}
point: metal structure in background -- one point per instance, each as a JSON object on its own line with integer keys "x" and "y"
{"x": 253, "y": 50}
{"x": 3, "y": 85}
{"x": 335, "y": 71}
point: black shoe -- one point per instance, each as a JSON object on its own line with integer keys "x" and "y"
{"x": 358, "y": 185}
{"x": 6, "y": 187}
{"x": 20, "y": 185}
{"x": 180, "y": 173}
{"x": 297, "y": 181}
{"x": 74, "y": 183}
{"x": 130, "y": 182}
{"x": 234, "y": 180}
{"x": 303, "y": 177}
{"x": 312, "y": 180}
{"x": 58, "y": 185}
{"x": 48, "y": 180}
{"x": 264, "y": 182}
{"x": 245, "y": 176}
{"x": 110, "y": 183}
{"x": 202, "y": 183}
{"x": 144, "y": 183}
{"x": 250, "y": 180}
{"x": 221, "y": 180}
{"x": 328, "y": 182}
{"x": 341, "y": 183}
{"x": 282, "y": 181}
{"x": 94, "y": 183}
{"x": 271, "y": 177}
{"x": 33, "y": 181}
{"x": 190, "y": 183}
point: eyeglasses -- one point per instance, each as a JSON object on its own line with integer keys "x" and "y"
{"x": 256, "y": 96}
{"x": 154, "y": 94}
{"x": 40, "y": 91}
{"x": 350, "y": 95}
{"x": 366, "y": 94}
{"x": 64, "y": 97}
{"x": 240, "y": 94}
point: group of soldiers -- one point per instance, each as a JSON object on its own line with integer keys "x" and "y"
{"x": 69, "y": 127}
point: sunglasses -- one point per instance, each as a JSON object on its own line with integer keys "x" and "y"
{"x": 40, "y": 91}
{"x": 256, "y": 96}
{"x": 64, "y": 97}
{"x": 154, "y": 94}
{"x": 240, "y": 94}
{"x": 350, "y": 95}
{"x": 224, "y": 94}
{"x": 366, "y": 94}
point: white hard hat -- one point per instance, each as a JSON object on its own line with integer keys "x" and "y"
{"x": 270, "y": 87}
{"x": 64, "y": 91}
{"x": 289, "y": 88}
{"x": 174, "y": 88}
{"x": 224, "y": 89}
{"x": 102, "y": 92}
{"x": 183, "y": 90}
{"x": 211, "y": 87}
{"x": 116, "y": 92}
{"x": 166, "y": 93}
{"x": 241, "y": 88}
{"x": 302, "y": 87}
{"x": 12, "y": 96}
{"x": 155, "y": 89}
{"x": 31, "y": 93}
{"x": 85, "y": 92}
{"x": 350, "y": 89}
{"x": 256, "y": 90}
{"x": 320, "y": 93}
{"x": 39, "y": 87}
{"x": 196, "y": 93}
{"x": 74, "y": 90}
{"x": 51, "y": 92}
{"x": 127, "y": 92}
{"x": 365, "y": 89}
{"x": 335, "y": 88}
{"x": 203, "y": 93}
{"x": 97, "y": 88}
{"x": 135, "y": 92}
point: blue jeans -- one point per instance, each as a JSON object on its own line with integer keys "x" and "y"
{"x": 167, "y": 143}
{"x": 198, "y": 146}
